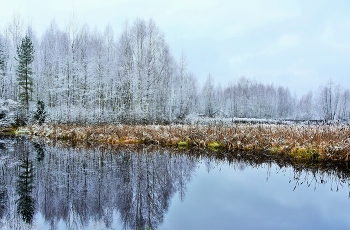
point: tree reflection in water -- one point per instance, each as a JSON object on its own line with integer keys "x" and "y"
{"x": 25, "y": 202}
{"x": 40, "y": 150}
{"x": 3, "y": 195}
{"x": 80, "y": 185}
{"x": 83, "y": 185}
{"x": 312, "y": 174}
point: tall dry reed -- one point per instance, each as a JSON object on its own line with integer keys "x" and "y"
{"x": 303, "y": 142}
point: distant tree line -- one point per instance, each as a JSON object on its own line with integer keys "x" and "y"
{"x": 87, "y": 76}
{"x": 251, "y": 99}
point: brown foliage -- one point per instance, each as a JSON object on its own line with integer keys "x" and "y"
{"x": 302, "y": 142}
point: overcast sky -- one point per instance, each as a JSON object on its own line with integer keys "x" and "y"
{"x": 299, "y": 44}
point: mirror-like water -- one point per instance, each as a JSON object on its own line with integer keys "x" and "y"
{"x": 108, "y": 187}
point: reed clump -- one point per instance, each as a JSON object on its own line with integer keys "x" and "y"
{"x": 301, "y": 142}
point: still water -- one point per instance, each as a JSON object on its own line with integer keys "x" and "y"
{"x": 46, "y": 186}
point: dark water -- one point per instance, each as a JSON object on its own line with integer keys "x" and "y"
{"x": 104, "y": 187}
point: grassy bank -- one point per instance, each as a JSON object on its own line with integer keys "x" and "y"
{"x": 301, "y": 142}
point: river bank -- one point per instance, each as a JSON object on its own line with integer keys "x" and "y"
{"x": 301, "y": 142}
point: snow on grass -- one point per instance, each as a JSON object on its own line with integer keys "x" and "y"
{"x": 302, "y": 142}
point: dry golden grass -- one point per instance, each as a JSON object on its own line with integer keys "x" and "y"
{"x": 302, "y": 142}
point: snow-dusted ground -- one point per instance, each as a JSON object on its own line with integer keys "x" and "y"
{"x": 203, "y": 120}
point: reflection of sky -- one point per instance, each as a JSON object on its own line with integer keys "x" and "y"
{"x": 233, "y": 199}
{"x": 245, "y": 198}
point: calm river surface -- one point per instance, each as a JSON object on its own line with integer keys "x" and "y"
{"x": 108, "y": 187}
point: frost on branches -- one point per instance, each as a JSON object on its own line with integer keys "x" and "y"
{"x": 92, "y": 76}
{"x": 8, "y": 110}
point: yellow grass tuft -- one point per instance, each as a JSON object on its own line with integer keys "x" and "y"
{"x": 183, "y": 144}
{"x": 215, "y": 146}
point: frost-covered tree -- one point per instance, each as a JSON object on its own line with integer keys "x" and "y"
{"x": 25, "y": 56}
{"x": 208, "y": 95}
{"x": 8, "y": 110}
{"x": 305, "y": 107}
{"x": 183, "y": 90}
{"x": 250, "y": 99}
{"x": 86, "y": 75}
{"x": 283, "y": 104}
{"x": 344, "y": 111}
{"x": 3, "y": 67}
{"x": 3, "y": 58}
{"x": 144, "y": 73}
{"x": 328, "y": 100}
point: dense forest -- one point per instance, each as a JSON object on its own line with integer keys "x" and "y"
{"x": 85, "y": 75}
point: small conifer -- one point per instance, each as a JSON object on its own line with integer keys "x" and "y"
{"x": 40, "y": 113}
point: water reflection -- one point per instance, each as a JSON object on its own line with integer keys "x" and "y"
{"x": 79, "y": 185}
{"x": 309, "y": 175}
{"x": 73, "y": 187}
{"x": 3, "y": 196}
{"x": 40, "y": 150}
{"x": 24, "y": 188}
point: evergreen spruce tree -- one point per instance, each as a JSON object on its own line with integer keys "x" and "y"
{"x": 25, "y": 56}
{"x": 40, "y": 113}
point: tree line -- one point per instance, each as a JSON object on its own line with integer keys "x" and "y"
{"x": 84, "y": 75}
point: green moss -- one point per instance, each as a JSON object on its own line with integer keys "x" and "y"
{"x": 183, "y": 144}
{"x": 140, "y": 141}
{"x": 279, "y": 149}
{"x": 305, "y": 153}
{"x": 275, "y": 150}
{"x": 215, "y": 146}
